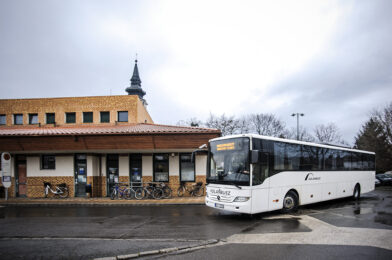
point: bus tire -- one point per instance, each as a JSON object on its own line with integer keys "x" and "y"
{"x": 357, "y": 192}
{"x": 290, "y": 202}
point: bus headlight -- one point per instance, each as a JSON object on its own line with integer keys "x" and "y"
{"x": 241, "y": 199}
{"x": 207, "y": 194}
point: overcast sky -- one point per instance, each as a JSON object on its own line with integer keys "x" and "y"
{"x": 331, "y": 60}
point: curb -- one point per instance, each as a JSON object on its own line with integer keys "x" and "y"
{"x": 182, "y": 249}
{"x": 93, "y": 204}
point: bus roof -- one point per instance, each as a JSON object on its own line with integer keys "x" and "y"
{"x": 290, "y": 141}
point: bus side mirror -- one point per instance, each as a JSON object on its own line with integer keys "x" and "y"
{"x": 254, "y": 156}
{"x": 202, "y": 148}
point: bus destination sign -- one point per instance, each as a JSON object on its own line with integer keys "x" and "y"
{"x": 224, "y": 147}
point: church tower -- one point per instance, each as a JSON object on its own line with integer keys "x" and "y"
{"x": 136, "y": 85}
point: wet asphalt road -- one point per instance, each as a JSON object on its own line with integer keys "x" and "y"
{"x": 88, "y": 232}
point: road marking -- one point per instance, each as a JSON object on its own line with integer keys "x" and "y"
{"x": 322, "y": 234}
{"x": 103, "y": 239}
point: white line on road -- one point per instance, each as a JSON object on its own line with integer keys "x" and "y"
{"x": 322, "y": 234}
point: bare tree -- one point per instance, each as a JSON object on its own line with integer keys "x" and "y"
{"x": 243, "y": 125}
{"x": 266, "y": 124}
{"x": 227, "y": 124}
{"x": 304, "y": 135}
{"x": 328, "y": 134}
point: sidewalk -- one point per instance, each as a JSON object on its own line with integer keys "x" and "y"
{"x": 99, "y": 201}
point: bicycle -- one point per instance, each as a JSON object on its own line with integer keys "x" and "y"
{"x": 60, "y": 190}
{"x": 138, "y": 192}
{"x": 152, "y": 191}
{"x": 195, "y": 190}
{"x": 167, "y": 191}
{"x": 119, "y": 192}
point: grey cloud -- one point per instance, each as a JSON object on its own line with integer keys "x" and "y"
{"x": 351, "y": 77}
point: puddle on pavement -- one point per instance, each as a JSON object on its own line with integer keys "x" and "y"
{"x": 361, "y": 211}
{"x": 282, "y": 225}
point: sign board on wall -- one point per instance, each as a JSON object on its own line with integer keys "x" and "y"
{"x": 6, "y": 169}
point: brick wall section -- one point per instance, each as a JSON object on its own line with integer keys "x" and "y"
{"x": 35, "y": 185}
{"x": 124, "y": 179}
{"x": 142, "y": 115}
{"x": 11, "y": 190}
{"x": 137, "y": 113}
{"x": 98, "y": 185}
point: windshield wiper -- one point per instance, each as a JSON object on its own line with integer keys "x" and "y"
{"x": 239, "y": 187}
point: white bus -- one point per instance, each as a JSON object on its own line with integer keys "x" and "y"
{"x": 253, "y": 173}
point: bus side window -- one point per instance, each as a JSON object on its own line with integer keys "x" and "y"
{"x": 261, "y": 169}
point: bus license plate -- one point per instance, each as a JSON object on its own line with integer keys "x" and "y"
{"x": 219, "y": 206}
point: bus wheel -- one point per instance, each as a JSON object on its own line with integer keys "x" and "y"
{"x": 290, "y": 202}
{"x": 357, "y": 192}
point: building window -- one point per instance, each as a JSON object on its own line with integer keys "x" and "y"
{"x": 105, "y": 117}
{"x": 33, "y": 119}
{"x": 48, "y": 162}
{"x": 18, "y": 119}
{"x": 161, "y": 167}
{"x": 50, "y": 118}
{"x": 135, "y": 167}
{"x": 70, "y": 117}
{"x": 3, "y": 119}
{"x": 187, "y": 168}
{"x": 122, "y": 116}
{"x": 87, "y": 117}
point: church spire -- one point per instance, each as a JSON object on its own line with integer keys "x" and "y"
{"x": 136, "y": 88}
{"x": 135, "y": 80}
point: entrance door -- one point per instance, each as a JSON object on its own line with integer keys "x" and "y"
{"x": 112, "y": 171}
{"x": 80, "y": 175}
{"x": 21, "y": 181}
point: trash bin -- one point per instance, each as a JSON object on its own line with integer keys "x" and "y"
{"x": 89, "y": 190}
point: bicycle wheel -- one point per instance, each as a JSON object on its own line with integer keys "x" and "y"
{"x": 139, "y": 193}
{"x": 114, "y": 194}
{"x": 127, "y": 194}
{"x": 149, "y": 192}
{"x": 64, "y": 192}
{"x": 199, "y": 191}
{"x": 157, "y": 193}
{"x": 167, "y": 192}
{"x": 181, "y": 191}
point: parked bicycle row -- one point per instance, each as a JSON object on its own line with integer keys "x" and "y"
{"x": 150, "y": 190}
{"x": 154, "y": 190}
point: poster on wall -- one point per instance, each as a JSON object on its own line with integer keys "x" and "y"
{"x": 6, "y": 169}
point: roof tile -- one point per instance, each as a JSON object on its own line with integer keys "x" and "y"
{"x": 136, "y": 129}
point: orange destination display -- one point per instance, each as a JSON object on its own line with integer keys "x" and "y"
{"x": 223, "y": 147}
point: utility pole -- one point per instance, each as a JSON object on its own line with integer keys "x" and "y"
{"x": 298, "y": 115}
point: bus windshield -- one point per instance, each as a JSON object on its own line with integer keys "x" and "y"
{"x": 229, "y": 162}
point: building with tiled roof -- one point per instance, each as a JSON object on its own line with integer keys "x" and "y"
{"x": 92, "y": 143}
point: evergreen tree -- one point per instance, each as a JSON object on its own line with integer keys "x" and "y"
{"x": 372, "y": 137}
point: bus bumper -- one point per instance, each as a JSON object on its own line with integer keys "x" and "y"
{"x": 240, "y": 207}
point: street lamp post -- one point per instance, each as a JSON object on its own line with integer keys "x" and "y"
{"x": 298, "y": 115}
